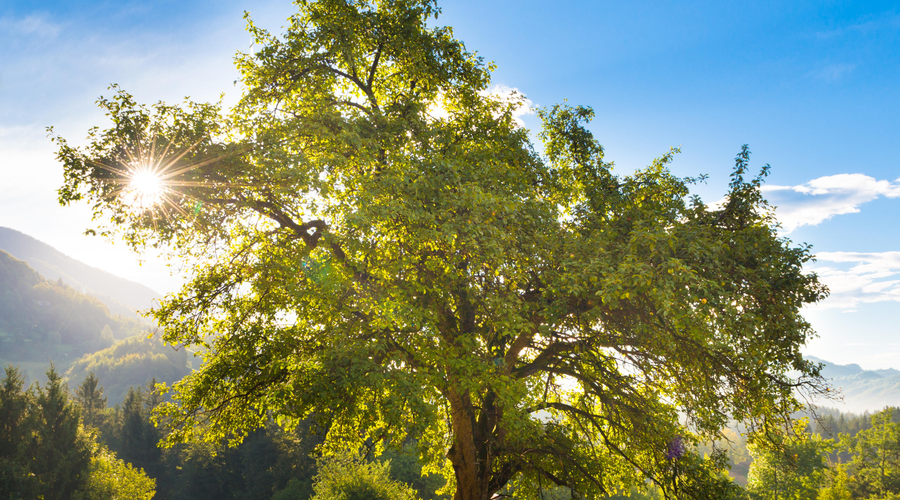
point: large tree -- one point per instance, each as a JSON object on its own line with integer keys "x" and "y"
{"x": 374, "y": 241}
{"x": 876, "y": 457}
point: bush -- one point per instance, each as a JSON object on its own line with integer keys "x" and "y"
{"x": 350, "y": 477}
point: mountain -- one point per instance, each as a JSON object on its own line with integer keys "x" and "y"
{"x": 131, "y": 362}
{"x": 863, "y": 390}
{"x": 120, "y": 295}
{"x": 43, "y": 321}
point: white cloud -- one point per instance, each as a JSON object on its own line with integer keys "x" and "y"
{"x": 511, "y": 95}
{"x": 833, "y": 72}
{"x": 34, "y": 25}
{"x": 857, "y": 278}
{"x": 522, "y": 106}
{"x": 821, "y": 199}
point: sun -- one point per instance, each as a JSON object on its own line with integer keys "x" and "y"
{"x": 145, "y": 188}
{"x": 147, "y": 179}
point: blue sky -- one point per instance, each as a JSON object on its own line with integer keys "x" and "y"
{"x": 811, "y": 86}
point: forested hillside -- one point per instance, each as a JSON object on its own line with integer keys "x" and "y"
{"x": 120, "y": 295}
{"x": 43, "y": 320}
{"x": 132, "y": 362}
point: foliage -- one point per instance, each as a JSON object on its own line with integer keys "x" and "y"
{"x": 347, "y": 476}
{"x": 378, "y": 246}
{"x": 91, "y": 399}
{"x": 295, "y": 490}
{"x": 58, "y": 451}
{"x": 45, "y": 453}
{"x": 836, "y": 485}
{"x": 16, "y": 480}
{"x": 138, "y": 438}
{"x": 876, "y": 457}
{"x": 13, "y": 410}
{"x": 132, "y": 362}
{"x": 407, "y": 468}
{"x": 264, "y": 464}
{"x": 111, "y": 479}
{"x": 788, "y": 465}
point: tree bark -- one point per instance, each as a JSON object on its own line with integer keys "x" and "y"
{"x": 473, "y": 453}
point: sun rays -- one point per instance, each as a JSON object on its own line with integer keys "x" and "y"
{"x": 149, "y": 178}
{"x": 145, "y": 188}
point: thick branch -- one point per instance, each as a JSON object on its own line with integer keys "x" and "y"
{"x": 544, "y": 359}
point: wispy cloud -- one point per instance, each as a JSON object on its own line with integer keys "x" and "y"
{"x": 887, "y": 21}
{"x": 821, "y": 199}
{"x": 855, "y": 278}
{"x": 33, "y": 25}
{"x": 833, "y": 72}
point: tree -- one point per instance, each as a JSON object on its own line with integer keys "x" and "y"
{"x": 836, "y": 484}
{"x": 110, "y": 479}
{"x": 90, "y": 396}
{"x": 377, "y": 244}
{"x": 791, "y": 465}
{"x": 13, "y": 407}
{"x": 58, "y": 451}
{"x": 138, "y": 437}
{"x": 16, "y": 480}
{"x": 875, "y": 464}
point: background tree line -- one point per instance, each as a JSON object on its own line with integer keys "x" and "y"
{"x": 57, "y": 445}
{"x": 54, "y": 444}
{"x": 47, "y": 453}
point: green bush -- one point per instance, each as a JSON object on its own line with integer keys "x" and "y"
{"x": 350, "y": 477}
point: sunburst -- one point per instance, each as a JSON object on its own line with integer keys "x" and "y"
{"x": 147, "y": 177}
{"x": 145, "y": 188}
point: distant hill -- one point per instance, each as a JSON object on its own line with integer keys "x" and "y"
{"x": 131, "y": 362}
{"x": 120, "y": 295}
{"x": 43, "y": 321}
{"x": 863, "y": 390}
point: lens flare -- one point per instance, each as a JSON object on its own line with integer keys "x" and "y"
{"x": 148, "y": 177}
{"x": 145, "y": 188}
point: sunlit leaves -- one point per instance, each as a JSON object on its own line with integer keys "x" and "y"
{"x": 391, "y": 273}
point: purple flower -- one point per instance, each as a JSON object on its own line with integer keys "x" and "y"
{"x": 675, "y": 448}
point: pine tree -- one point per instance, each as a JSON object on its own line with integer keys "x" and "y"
{"x": 13, "y": 404}
{"x": 90, "y": 396}
{"x": 138, "y": 437}
{"x": 60, "y": 454}
{"x": 16, "y": 481}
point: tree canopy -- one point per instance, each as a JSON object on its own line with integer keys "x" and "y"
{"x": 377, "y": 244}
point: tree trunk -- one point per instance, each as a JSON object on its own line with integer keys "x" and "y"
{"x": 473, "y": 453}
{"x": 462, "y": 453}
{"x": 469, "y": 453}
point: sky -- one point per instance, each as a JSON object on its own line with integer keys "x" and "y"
{"x": 811, "y": 86}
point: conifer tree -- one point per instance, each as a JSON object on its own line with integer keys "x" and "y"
{"x": 139, "y": 439}
{"x": 16, "y": 481}
{"x": 13, "y": 405}
{"x": 90, "y": 396}
{"x": 59, "y": 451}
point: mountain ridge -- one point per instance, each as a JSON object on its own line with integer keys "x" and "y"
{"x": 120, "y": 295}
{"x": 862, "y": 390}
